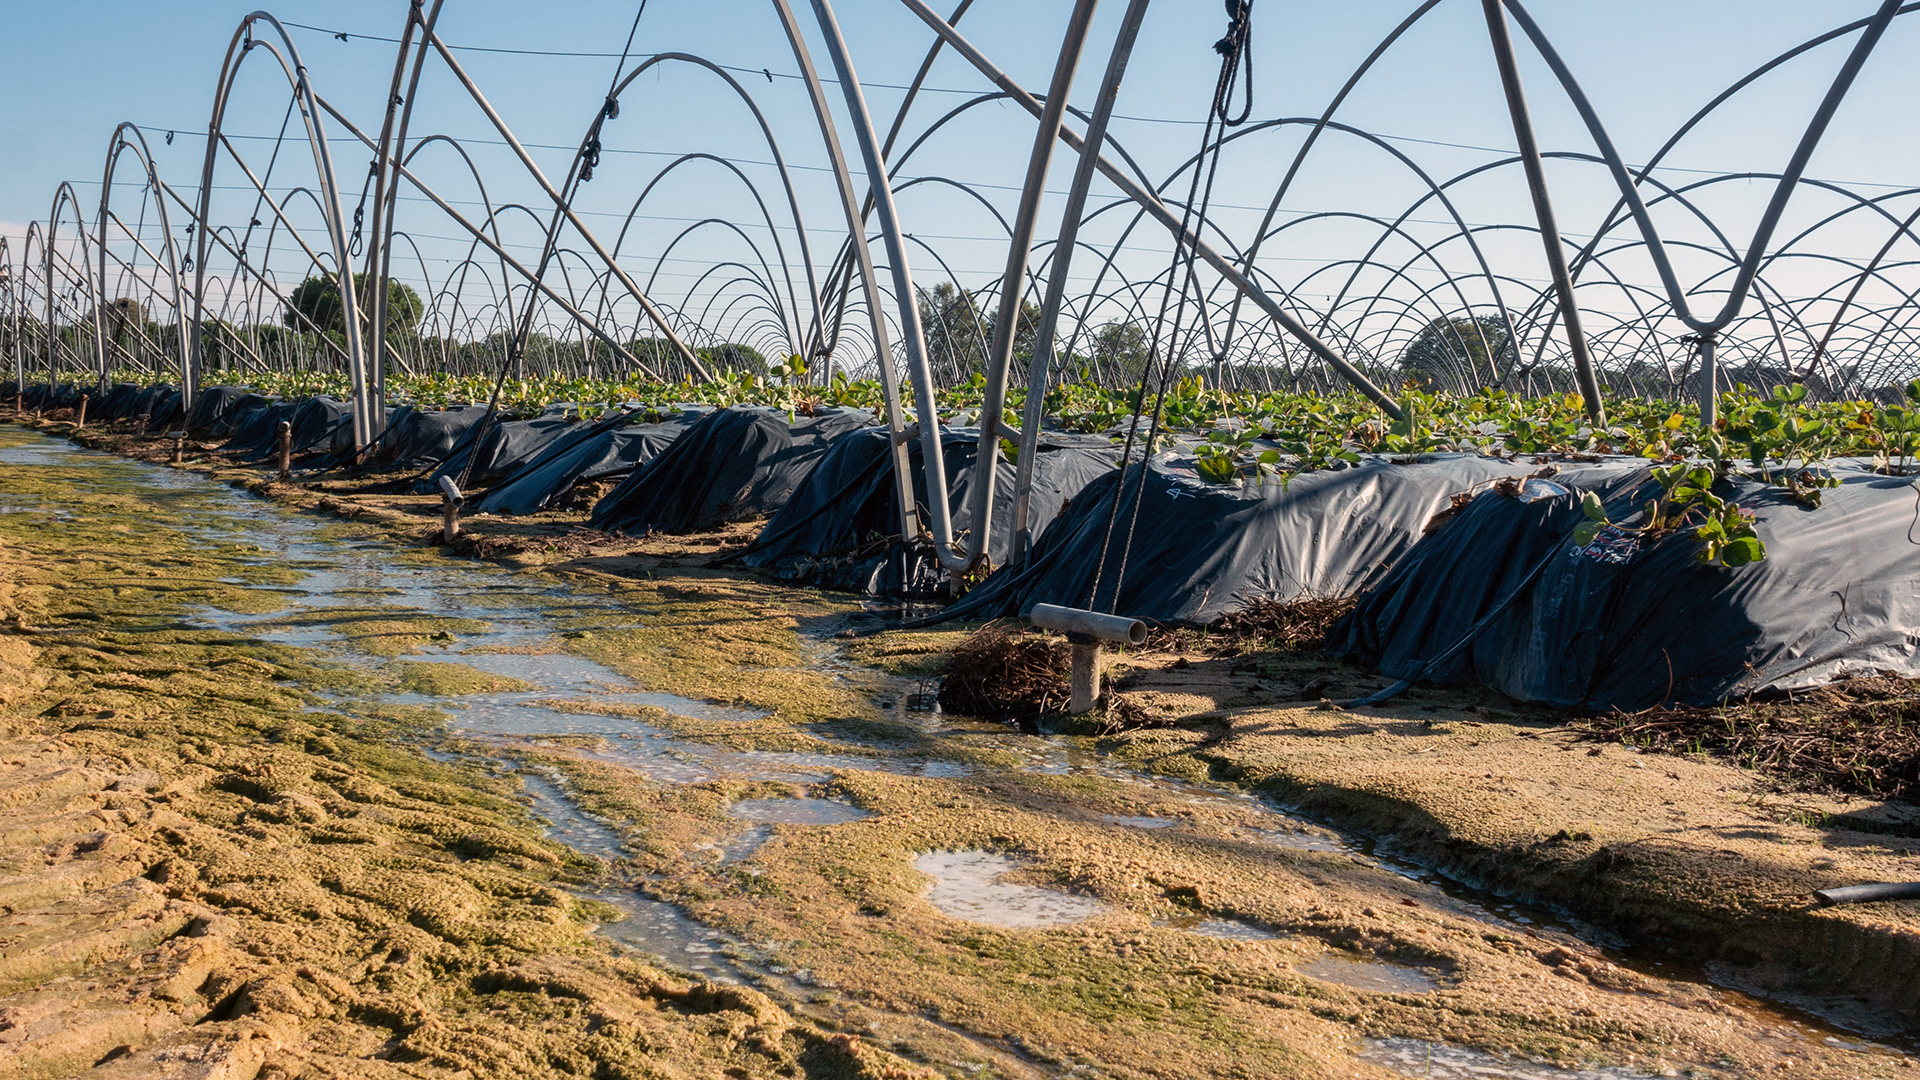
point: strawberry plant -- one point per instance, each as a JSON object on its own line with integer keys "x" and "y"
{"x": 1686, "y": 501}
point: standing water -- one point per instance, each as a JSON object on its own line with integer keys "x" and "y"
{"x": 509, "y": 630}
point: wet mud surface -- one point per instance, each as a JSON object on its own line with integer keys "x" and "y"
{"x": 372, "y": 810}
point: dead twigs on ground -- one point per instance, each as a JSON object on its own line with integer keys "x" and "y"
{"x": 1854, "y": 735}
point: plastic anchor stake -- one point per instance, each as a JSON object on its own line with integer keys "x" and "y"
{"x": 1084, "y": 688}
{"x": 450, "y": 502}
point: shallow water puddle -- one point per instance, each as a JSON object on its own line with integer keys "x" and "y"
{"x": 647, "y": 925}
{"x": 1441, "y": 1061}
{"x": 659, "y": 756}
{"x": 565, "y": 822}
{"x": 521, "y": 619}
{"x": 659, "y": 929}
{"x": 44, "y": 453}
{"x": 796, "y": 811}
{"x": 1143, "y": 821}
{"x": 966, "y": 885}
{"x": 1360, "y": 973}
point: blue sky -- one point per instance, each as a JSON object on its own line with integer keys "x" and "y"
{"x": 73, "y": 69}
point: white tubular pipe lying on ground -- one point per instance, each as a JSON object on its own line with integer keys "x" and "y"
{"x": 1091, "y": 623}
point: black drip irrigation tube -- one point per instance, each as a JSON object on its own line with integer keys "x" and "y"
{"x": 1453, "y": 650}
{"x": 1861, "y": 894}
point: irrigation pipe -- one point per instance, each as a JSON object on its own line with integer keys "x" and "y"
{"x": 1453, "y": 650}
{"x": 1860, "y": 894}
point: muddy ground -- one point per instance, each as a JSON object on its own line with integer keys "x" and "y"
{"x": 290, "y": 850}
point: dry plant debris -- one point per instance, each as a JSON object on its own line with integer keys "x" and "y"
{"x": 1005, "y": 675}
{"x": 1856, "y": 735}
{"x": 1265, "y": 625}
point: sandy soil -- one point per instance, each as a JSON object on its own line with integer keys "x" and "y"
{"x": 201, "y": 874}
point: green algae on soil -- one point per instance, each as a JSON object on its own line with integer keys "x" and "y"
{"x": 205, "y": 864}
{"x": 1132, "y": 991}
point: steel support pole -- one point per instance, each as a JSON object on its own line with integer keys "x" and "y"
{"x": 243, "y": 42}
{"x": 932, "y": 462}
{"x": 393, "y": 138}
{"x": 1039, "y": 368}
{"x": 1019, "y": 253}
{"x": 65, "y": 192}
{"x": 189, "y": 384}
{"x": 12, "y": 284}
{"x": 1708, "y": 380}
{"x": 1158, "y": 210}
{"x": 1543, "y": 208}
{"x": 869, "y": 281}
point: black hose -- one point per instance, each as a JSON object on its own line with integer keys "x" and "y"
{"x": 1861, "y": 894}
{"x": 1453, "y": 650}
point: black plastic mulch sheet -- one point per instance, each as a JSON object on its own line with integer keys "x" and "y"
{"x": 49, "y": 396}
{"x": 212, "y": 407}
{"x": 116, "y": 404}
{"x": 238, "y": 424}
{"x": 734, "y": 464}
{"x": 600, "y": 452}
{"x": 320, "y": 425}
{"x": 417, "y": 438}
{"x": 1201, "y": 550}
{"x": 160, "y": 404}
{"x": 506, "y": 448}
{"x": 1626, "y": 624}
{"x": 256, "y": 424}
{"x": 841, "y": 529}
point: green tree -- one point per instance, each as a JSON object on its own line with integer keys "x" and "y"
{"x": 957, "y": 336}
{"x": 318, "y": 299}
{"x": 729, "y": 356}
{"x": 960, "y": 330}
{"x": 1121, "y": 350}
{"x": 1457, "y": 353}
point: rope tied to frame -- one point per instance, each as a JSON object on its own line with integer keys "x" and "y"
{"x": 1234, "y": 55}
{"x": 590, "y": 157}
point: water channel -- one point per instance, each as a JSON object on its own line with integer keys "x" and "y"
{"x": 520, "y": 641}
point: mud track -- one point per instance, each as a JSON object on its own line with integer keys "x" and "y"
{"x": 285, "y": 791}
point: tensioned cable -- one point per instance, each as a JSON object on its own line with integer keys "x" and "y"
{"x": 589, "y": 154}
{"x": 1232, "y": 48}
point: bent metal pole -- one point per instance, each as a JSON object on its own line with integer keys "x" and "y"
{"x": 189, "y": 376}
{"x": 863, "y": 260}
{"x": 1871, "y": 33}
{"x": 238, "y": 49}
{"x": 1543, "y": 209}
{"x": 911, "y": 333}
{"x": 1040, "y": 364}
{"x": 1019, "y": 252}
{"x": 1156, "y": 209}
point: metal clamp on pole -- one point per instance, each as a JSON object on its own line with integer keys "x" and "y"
{"x": 450, "y": 502}
{"x": 286, "y": 451}
{"x": 1086, "y": 630}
